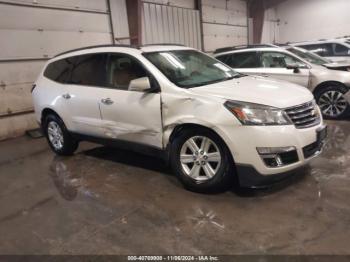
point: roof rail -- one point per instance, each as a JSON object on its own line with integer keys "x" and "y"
{"x": 94, "y": 46}
{"x": 238, "y": 47}
{"x": 167, "y": 44}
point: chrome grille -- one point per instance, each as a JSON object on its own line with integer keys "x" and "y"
{"x": 305, "y": 115}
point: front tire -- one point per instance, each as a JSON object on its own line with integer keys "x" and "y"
{"x": 202, "y": 161}
{"x": 332, "y": 102}
{"x": 58, "y": 137}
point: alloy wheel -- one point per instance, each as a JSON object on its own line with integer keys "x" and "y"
{"x": 200, "y": 158}
{"x": 332, "y": 103}
{"x": 55, "y": 135}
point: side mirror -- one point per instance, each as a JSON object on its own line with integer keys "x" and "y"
{"x": 140, "y": 84}
{"x": 294, "y": 67}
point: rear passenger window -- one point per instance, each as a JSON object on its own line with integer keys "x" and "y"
{"x": 243, "y": 60}
{"x": 90, "y": 70}
{"x": 320, "y": 49}
{"x": 59, "y": 71}
{"x": 122, "y": 70}
{"x": 341, "y": 50}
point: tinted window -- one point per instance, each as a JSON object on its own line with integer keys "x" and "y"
{"x": 59, "y": 71}
{"x": 243, "y": 60}
{"x": 89, "y": 70}
{"x": 122, "y": 70}
{"x": 320, "y": 49}
{"x": 279, "y": 60}
{"x": 341, "y": 50}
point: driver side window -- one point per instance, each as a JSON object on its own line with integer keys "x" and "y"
{"x": 279, "y": 60}
{"x": 122, "y": 70}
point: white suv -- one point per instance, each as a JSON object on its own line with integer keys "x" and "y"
{"x": 214, "y": 125}
{"x": 334, "y": 49}
{"x": 329, "y": 82}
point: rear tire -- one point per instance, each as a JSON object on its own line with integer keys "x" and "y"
{"x": 202, "y": 161}
{"x": 332, "y": 102}
{"x": 58, "y": 137}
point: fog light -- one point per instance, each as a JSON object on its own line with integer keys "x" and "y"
{"x": 278, "y": 156}
{"x": 274, "y": 150}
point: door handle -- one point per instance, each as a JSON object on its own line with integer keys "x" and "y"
{"x": 107, "y": 101}
{"x": 66, "y": 96}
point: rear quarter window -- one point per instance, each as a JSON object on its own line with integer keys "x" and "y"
{"x": 59, "y": 71}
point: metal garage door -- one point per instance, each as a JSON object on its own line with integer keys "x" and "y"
{"x": 170, "y": 24}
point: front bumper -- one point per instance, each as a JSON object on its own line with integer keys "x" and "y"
{"x": 252, "y": 171}
{"x": 248, "y": 177}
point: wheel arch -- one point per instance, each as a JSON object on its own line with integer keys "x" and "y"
{"x": 191, "y": 125}
{"x": 325, "y": 84}
{"x": 47, "y": 111}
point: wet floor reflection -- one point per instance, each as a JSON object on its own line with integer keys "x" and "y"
{"x": 110, "y": 201}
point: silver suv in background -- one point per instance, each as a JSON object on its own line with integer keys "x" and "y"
{"x": 330, "y": 87}
{"x": 334, "y": 49}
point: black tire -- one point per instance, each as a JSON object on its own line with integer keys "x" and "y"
{"x": 69, "y": 145}
{"x": 321, "y": 95}
{"x": 225, "y": 176}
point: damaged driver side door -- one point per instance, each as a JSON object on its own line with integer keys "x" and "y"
{"x": 133, "y": 116}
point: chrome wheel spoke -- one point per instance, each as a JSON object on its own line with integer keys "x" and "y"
{"x": 205, "y": 144}
{"x": 195, "y": 171}
{"x": 208, "y": 170}
{"x": 214, "y": 157}
{"x": 191, "y": 144}
{"x": 186, "y": 159}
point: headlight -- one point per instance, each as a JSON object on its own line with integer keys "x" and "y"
{"x": 257, "y": 115}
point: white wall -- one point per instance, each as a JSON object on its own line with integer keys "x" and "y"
{"x": 302, "y": 20}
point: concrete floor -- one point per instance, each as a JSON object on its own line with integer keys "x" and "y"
{"x": 107, "y": 201}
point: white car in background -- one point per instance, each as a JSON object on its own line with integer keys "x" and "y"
{"x": 335, "y": 49}
{"x": 329, "y": 82}
{"x": 184, "y": 106}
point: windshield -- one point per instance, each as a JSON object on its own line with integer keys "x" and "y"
{"x": 190, "y": 68}
{"x": 308, "y": 56}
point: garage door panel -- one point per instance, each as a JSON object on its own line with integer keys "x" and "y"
{"x": 15, "y": 98}
{"x": 20, "y": 72}
{"x": 223, "y": 16}
{"x": 55, "y": 20}
{"x": 216, "y": 36}
{"x": 168, "y": 24}
{"x": 19, "y": 44}
{"x": 90, "y": 5}
{"x": 179, "y": 3}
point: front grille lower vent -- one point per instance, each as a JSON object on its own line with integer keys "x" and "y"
{"x": 305, "y": 115}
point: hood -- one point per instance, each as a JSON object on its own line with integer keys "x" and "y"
{"x": 259, "y": 90}
{"x": 343, "y": 66}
